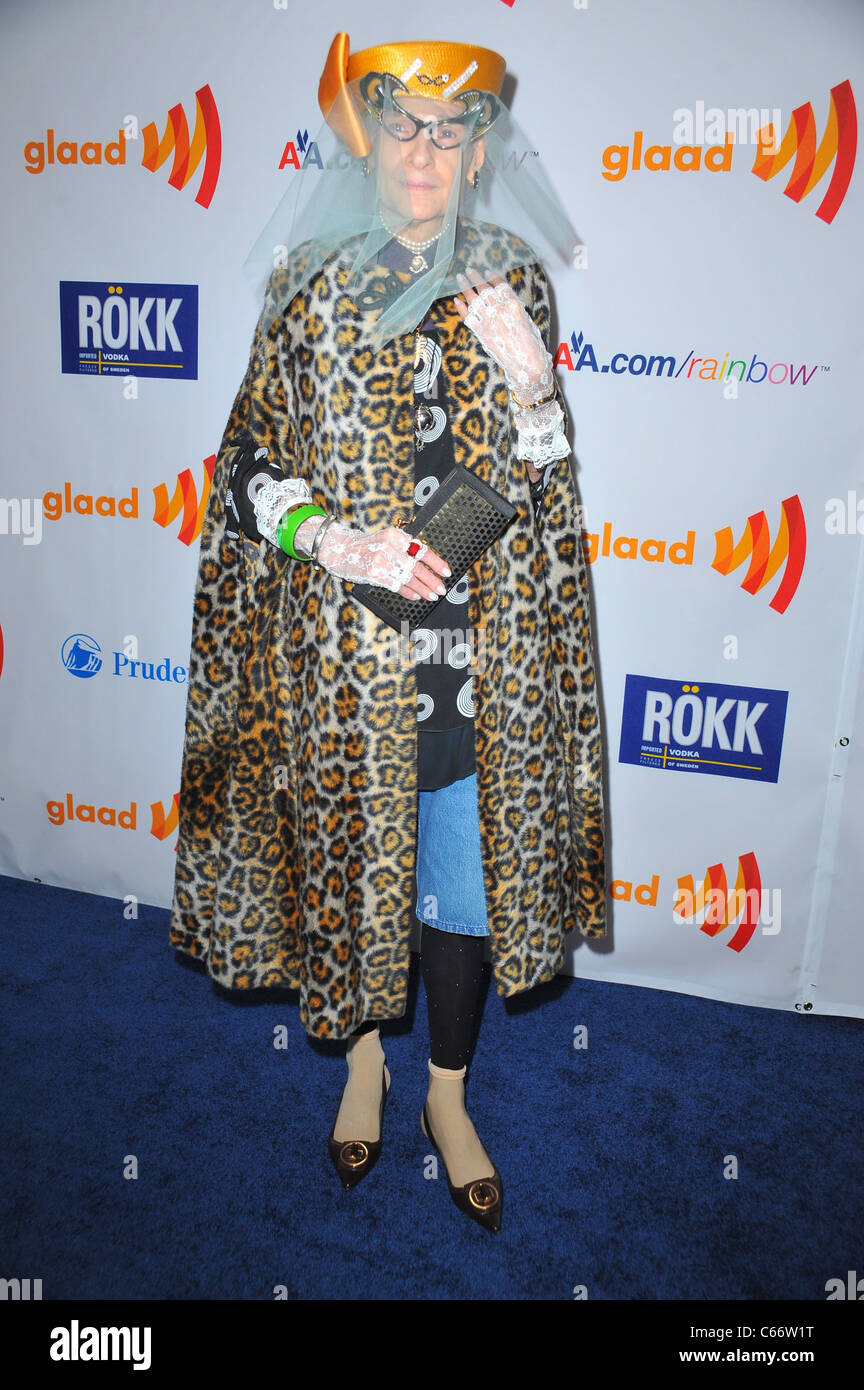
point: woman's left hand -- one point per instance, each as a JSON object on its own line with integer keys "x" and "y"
{"x": 496, "y": 316}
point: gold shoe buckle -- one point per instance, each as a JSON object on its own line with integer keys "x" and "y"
{"x": 483, "y": 1195}
{"x": 354, "y": 1153}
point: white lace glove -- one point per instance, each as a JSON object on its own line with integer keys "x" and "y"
{"x": 498, "y": 318}
{"x": 274, "y": 498}
{"x": 377, "y": 557}
{"x": 541, "y": 437}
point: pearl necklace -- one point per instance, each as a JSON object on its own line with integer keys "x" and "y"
{"x": 418, "y": 245}
{"x": 418, "y": 262}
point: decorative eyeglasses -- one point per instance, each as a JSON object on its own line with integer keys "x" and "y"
{"x": 378, "y": 90}
{"x": 445, "y": 135}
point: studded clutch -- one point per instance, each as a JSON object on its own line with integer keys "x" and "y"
{"x": 462, "y": 518}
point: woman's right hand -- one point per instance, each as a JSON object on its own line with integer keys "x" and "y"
{"x": 376, "y": 557}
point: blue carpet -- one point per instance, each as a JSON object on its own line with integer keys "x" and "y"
{"x": 612, "y": 1157}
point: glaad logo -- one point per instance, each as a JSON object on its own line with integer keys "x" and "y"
{"x": 206, "y": 142}
{"x": 710, "y": 903}
{"x": 57, "y": 504}
{"x": 790, "y": 546}
{"x": 723, "y": 910}
{"x": 206, "y": 137}
{"x": 185, "y": 499}
{"x": 76, "y": 1343}
{"x": 63, "y": 812}
{"x": 163, "y": 824}
{"x": 838, "y": 143}
{"x": 727, "y": 730}
{"x": 129, "y": 330}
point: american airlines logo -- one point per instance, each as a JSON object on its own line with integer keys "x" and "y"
{"x": 838, "y": 144}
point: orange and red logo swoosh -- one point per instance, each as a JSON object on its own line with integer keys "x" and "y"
{"x": 765, "y": 559}
{"x": 185, "y": 499}
{"x": 748, "y": 888}
{"x": 839, "y": 142}
{"x": 161, "y": 824}
{"x": 206, "y": 137}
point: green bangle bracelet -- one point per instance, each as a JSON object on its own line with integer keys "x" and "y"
{"x": 285, "y": 532}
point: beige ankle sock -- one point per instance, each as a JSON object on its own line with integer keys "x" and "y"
{"x": 361, "y": 1098}
{"x": 464, "y": 1155}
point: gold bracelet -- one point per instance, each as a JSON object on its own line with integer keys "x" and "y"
{"x": 537, "y": 404}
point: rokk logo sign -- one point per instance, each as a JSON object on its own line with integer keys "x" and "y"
{"x": 727, "y": 730}
{"x": 129, "y": 329}
{"x": 205, "y": 143}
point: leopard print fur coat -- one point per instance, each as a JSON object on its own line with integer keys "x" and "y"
{"x": 298, "y": 797}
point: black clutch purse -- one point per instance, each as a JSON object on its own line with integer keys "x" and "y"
{"x": 461, "y": 519}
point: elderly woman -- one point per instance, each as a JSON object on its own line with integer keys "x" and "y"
{"x": 329, "y": 784}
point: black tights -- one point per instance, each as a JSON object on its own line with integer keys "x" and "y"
{"x": 452, "y": 968}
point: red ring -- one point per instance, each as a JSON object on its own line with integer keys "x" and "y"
{"x": 413, "y": 547}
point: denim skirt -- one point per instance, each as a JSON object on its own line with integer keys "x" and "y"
{"x": 450, "y": 890}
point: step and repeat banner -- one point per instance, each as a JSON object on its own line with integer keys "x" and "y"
{"x": 708, "y": 344}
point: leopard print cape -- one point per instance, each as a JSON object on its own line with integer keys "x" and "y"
{"x": 298, "y": 796}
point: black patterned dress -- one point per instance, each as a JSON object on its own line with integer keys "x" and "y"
{"x": 445, "y": 653}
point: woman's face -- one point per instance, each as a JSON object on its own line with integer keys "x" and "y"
{"x": 415, "y": 176}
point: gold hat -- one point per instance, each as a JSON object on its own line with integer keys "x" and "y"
{"x": 425, "y": 67}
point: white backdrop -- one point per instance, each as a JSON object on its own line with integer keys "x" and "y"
{"x": 699, "y": 265}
